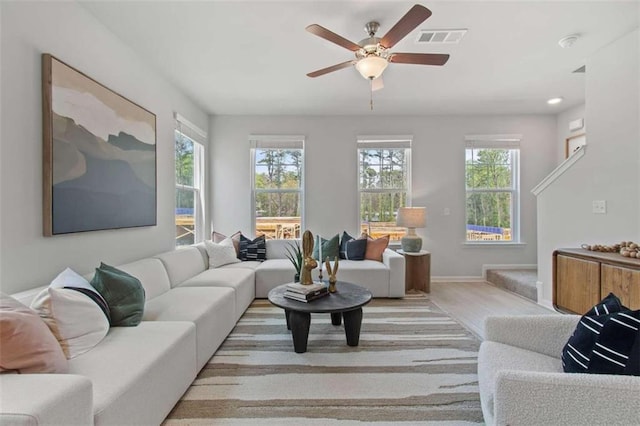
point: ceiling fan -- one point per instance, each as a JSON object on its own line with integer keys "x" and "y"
{"x": 373, "y": 53}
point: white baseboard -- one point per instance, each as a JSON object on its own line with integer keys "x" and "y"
{"x": 546, "y": 303}
{"x": 456, "y": 279}
{"x": 506, "y": 266}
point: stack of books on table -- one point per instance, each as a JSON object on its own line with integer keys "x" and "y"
{"x": 305, "y": 293}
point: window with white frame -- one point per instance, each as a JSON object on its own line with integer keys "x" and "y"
{"x": 492, "y": 177}
{"x": 277, "y": 185}
{"x": 189, "y": 164}
{"x": 384, "y": 183}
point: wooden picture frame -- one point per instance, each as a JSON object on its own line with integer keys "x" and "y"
{"x": 99, "y": 155}
{"x": 573, "y": 143}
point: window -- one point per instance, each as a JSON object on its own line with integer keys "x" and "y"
{"x": 189, "y": 213}
{"x": 277, "y": 185}
{"x": 492, "y": 188}
{"x": 384, "y": 183}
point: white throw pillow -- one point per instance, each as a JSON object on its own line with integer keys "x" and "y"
{"x": 76, "y": 319}
{"x": 222, "y": 253}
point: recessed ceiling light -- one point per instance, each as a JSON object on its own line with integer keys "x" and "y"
{"x": 568, "y": 41}
{"x": 555, "y": 101}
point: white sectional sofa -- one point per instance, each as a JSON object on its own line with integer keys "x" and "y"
{"x": 135, "y": 375}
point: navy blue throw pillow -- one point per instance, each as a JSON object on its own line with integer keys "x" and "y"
{"x": 253, "y": 249}
{"x": 606, "y": 341}
{"x": 343, "y": 244}
{"x": 356, "y": 249}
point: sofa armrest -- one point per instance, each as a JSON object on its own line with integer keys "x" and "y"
{"x": 545, "y": 334}
{"x": 530, "y": 398}
{"x": 46, "y": 399}
{"x": 395, "y": 262}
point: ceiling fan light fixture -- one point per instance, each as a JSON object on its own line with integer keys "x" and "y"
{"x": 371, "y": 67}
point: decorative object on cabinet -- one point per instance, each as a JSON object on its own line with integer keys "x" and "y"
{"x": 99, "y": 155}
{"x": 625, "y": 248}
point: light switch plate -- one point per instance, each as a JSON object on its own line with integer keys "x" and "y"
{"x": 599, "y": 207}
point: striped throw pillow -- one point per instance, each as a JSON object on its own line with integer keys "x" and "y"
{"x": 606, "y": 341}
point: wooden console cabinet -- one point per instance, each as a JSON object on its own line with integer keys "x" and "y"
{"x": 581, "y": 278}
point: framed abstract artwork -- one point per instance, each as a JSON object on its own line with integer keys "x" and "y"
{"x": 99, "y": 155}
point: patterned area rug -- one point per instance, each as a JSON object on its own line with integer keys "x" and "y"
{"x": 414, "y": 365}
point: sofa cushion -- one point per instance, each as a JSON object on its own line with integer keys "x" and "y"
{"x": 242, "y": 281}
{"x": 356, "y": 249}
{"x": 221, "y": 254}
{"x": 124, "y": 295}
{"x": 211, "y": 309}
{"x": 217, "y": 237}
{"x": 330, "y": 247}
{"x": 152, "y": 275}
{"x": 375, "y": 248}
{"x": 45, "y": 399}
{"x": 343, "y": 244}
{"x": 71, "y": 279}
{"x": 253, "y": 249}
{"x": 249, "y": 264}
{"x": 155, "y": 358}
{"x": 277, "y": 249}
{"x": 184, "y": 263}
{"x": 28, "y": 346}
{"x": 75, "y": 319}
{"x": 274, "y": 272}
{"x": 368, "y": 273}
{"x": 605, "y": 341}
{"x": 494, "y": 357}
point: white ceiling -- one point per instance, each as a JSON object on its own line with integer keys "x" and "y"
{"x": 251, "y": 57}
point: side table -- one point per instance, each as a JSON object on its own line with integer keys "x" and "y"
{"x": 417, "y": 275}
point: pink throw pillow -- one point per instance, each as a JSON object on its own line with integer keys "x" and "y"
{"x": 376, "y": 247}
{"x": 28, "y": 346}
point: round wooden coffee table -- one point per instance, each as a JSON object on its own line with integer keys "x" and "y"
{"x": 345, "y": 303}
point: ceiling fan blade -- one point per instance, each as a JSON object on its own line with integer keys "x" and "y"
{"x": 332, "y": 37}
{"x": 377, "y": 84}
{"x": 414, "y": 17}
{"x": 332, "y": 68}
{"x": 420, "y": 58}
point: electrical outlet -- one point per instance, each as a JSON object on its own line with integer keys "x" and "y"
{"x": 446, "y": 211}
{"x": 599, "y": 207}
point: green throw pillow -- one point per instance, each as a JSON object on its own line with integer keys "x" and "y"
{"x": 330, "y": 248}
{"x": 123, "y": 293}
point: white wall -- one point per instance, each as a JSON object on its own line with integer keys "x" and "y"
{"x": 69, "y": 32}
{"x": 563, "y": 120}
{"x": 437, "y": 180}
{"x": 609, "y": 170}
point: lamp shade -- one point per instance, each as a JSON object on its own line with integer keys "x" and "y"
{"x": 412, "y": 217}
{"x": 371, "y": 67}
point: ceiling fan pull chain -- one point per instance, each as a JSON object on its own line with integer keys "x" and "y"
{"x": 371, "y": 93}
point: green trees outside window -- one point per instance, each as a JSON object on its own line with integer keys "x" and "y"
{"x": 278, "y": 192}
{"x": 492, "y": 191}
{"x": 383, "y": 186}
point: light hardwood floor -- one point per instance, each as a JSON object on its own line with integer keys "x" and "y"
{"x": 471, "y": 302}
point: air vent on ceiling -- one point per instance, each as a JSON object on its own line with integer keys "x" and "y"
{"x": 582, "y": 69}
{"x": 441, "y": 36}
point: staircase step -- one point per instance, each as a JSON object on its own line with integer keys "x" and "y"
{"x": 519, "y": 281}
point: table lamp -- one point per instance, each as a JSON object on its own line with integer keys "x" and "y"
{"x": 411, "y": 218}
